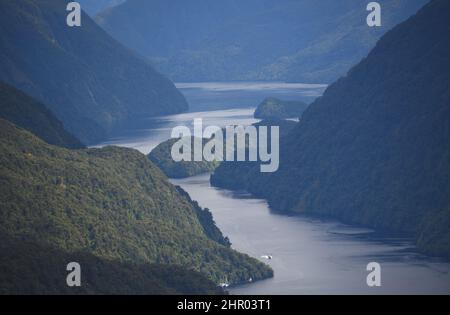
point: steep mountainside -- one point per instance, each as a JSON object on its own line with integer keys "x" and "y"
{"x": 31, "y": 115}
{"x": 113, "y": 203}
{"x": 87, "y": 79}
{"x": 375, "y": 149}
{"x": 31, "y": 268}
{"x": 202, "y": 40}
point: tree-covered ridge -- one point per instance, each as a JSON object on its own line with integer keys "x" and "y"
{"x": 111, "y": 202}
{"x": 32, "y": 268}
{"x": 273, "y": 108}
{"x": 237, "y": 175}
{"x": 375, "y": 149}
{"x": 87, "y": 79}
{"x": 33, "y": 116}
{"x": 162, "y": 157}
{"x": 206, "y": 220}
{"x": 162, "y": 154}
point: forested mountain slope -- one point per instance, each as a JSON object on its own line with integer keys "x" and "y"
{"x": 112, "y": 203}
{"x": 88, "y": 80}
{"x": 25, "y": 112}
{"x": 32, "y": 268}
{"x": 375, "y": 149}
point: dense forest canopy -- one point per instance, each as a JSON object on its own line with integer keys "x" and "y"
{"x": 112, "y": 203}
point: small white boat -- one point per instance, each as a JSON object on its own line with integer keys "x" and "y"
{"x": 224, "y": 284}
{"x": 269, "y": 257}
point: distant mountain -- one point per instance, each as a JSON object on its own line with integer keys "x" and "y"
{"x": 297, "y": 40}
{"x": 375, "y": 149}
{"x": 112, "y": 203}
{"x": 92, "y": 7}
{"x": 25, "y": 112}
{"x": 87, "y": 79}
{"x": 343, "y": 42}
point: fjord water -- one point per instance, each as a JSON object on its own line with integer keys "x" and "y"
{"x": 309, "y": 255}
{"x": 217, "y": 103}
{"x": 312, "y": 256}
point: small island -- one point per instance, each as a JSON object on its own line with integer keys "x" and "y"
{"x": 161, "y": 156}
{"x": 273, "y": 108}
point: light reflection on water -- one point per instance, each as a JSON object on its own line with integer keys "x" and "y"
{"x": 159, "y": 129}
{"x": 217, "y": 103}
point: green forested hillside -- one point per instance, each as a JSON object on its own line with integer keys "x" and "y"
{"x": 31, "y": 268}
{"x": 375, "y": 149}
{"x": 112, "y": 203}
{"x": 206, "y": 220}
{"x": 237, "y": 176}
{"x": 33, "y": 116}
{"x": 88, "y": 80}
{"x": 162, "y": 154}
{"x": 162, "y": 157}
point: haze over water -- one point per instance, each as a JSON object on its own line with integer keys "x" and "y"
{"x": 309, "y": 255}
{"x": 217, "y": 103}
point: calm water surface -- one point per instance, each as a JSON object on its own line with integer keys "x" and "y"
{"x": 218, "y": 104}
{"x": 316, "y": 256}
{"x": 309, "y": 255}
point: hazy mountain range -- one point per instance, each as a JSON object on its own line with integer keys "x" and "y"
{"x": 286, "y": 40}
